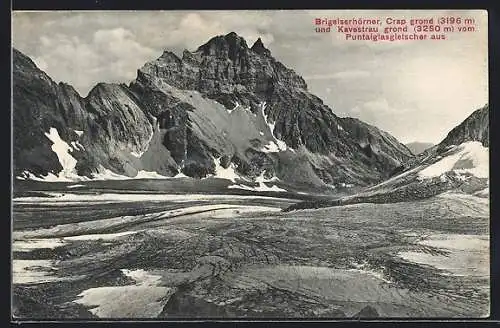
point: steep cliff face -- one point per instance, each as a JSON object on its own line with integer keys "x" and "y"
{"x": 39, "y": 104}
{"x": 60, "y": 134}
{"x": 224, "y": 106}
{"x": 385, "y": 150}
{"x": 474, "y": 128}
{"x": 249, "y": 80}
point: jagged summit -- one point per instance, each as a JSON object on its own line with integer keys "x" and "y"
{"x": 232, "y": 41}
{"x": 170, "y": 56}
{"x": 232, "y": 37}
{"x": 230, "y": 45}
{"x": 259, "y": 48}
{"x": 221, "y": 66}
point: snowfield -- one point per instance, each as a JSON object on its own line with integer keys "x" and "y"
{"x": 228, "y": 173}
{"x": 469, "y": 157}
{"x": 61, "y": 149}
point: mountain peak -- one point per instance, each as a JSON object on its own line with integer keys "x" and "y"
{"x": 170, "y": 56}
{"x": 234, "y": 40}
{"x": 259, "y": 48}
{"x": 232, "y": 35}
{"x": 21, "y": 58}
{"x": 230, "y": 40}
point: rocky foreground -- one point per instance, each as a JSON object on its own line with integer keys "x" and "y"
{"x": 221, "y": 256}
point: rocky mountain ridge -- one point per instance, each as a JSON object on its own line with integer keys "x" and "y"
{"x": 223, "y": 110}
{"x": 474, "y": 128}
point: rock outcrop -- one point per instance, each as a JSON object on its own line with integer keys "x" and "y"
{"x": 474, "y": 128}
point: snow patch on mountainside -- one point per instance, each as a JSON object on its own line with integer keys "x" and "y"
{"x": 236, "y": 105}
{"x": 27, "y": 175}
{"x": 148, "y": 175}
{"x": 469, "y": 157}
{"x": 179, "y": 176}
{"x": 271, "y": 147}
{"x": 135, "y": 154}
{"x": 68, "y": 162}
{"x": 279, "y": 144}
{"x": 229, "y": 173}
{"x": 140, "y": 153}
{"x": 106, "y": 174}
{"x": 77, "y": 145}
{"x": 261, "y": 180}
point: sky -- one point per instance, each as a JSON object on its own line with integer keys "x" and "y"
{"x": 415, "y": 90}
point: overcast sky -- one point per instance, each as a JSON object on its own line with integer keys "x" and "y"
{"x": 416, "y": 90}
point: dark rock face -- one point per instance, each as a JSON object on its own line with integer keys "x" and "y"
{"x": 474, "y": 128}
{"x": 110, "y": 120}
{"x": 384, "y": 149}
{"x": 224, "y": 101}
{"x": 118, "y": 125}
{"x": 39, "y": 103}
{"x": 259, "y": 48}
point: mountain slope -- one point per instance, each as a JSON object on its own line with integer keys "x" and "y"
{"x": 418, "y": 147}
{"x": 474, "y": 128}
{"x": 222, "y": 107}
{"x": 459, "y": 163}
{"x": 84, "y": 134}
{"x": 39, "y": 104}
